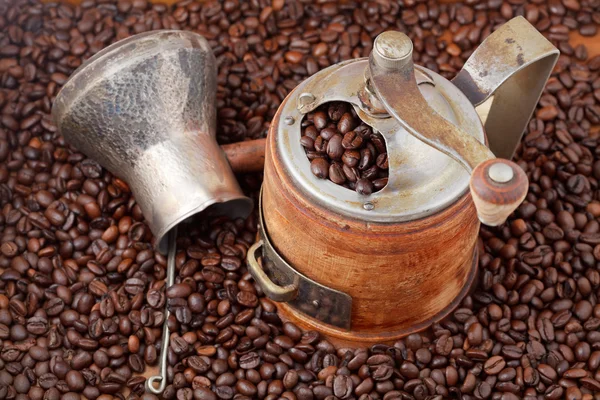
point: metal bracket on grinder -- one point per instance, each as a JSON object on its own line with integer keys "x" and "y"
{"x": 281, "y": 282}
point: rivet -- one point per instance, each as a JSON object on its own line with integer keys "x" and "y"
{"x": 305, "y": 99}
{"x": 368, "y": 206}
{"x": 289, "y": 120}
{"x": 500, "y": 172}
{"x": 316, "y": 303}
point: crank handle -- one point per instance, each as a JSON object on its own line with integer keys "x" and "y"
{"x": 497, "y": 186}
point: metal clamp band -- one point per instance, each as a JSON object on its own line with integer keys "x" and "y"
{"x": 513, "y": 64}
{"x": 281, "y": 282}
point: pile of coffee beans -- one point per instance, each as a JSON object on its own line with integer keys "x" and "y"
{"x": 81, "y": 288}
{"x": 343, "y": 149}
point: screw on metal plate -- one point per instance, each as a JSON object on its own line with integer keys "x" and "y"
{"x": 501, "y": 173}
{"x": 289, "y": 120}
{"x": 368, "y": 206}
{"x": 305, "y": 99}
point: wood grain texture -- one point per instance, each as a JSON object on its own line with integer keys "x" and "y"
{"x": 399, "y": 275}
{"x": 496, "y": 201}
{"x": 247, "y": 156}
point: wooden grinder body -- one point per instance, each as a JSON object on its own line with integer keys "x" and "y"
{"x": 401, "y": 276}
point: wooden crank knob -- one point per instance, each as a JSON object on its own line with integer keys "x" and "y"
{"x": 498, "y": 187}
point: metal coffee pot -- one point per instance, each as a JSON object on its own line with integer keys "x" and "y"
{"x": 145, "y": 109}
{"x": 372, "y": 268}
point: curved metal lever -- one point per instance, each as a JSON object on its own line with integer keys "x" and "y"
{"x": 512, "y": 64}
{"x": 392, "y": 75}
{"x": 497, "y": 186}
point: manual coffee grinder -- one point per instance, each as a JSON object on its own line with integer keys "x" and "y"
{"x": 368, "y": 269}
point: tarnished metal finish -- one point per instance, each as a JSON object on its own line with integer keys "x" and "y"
{"x": 272, "y": 290}
{"x": 397, "y": 90}
{"x": 370, "y": 103}
{"x": 512, "y": 64}
{"x": 324, "y": 86}
{"x": 281, "y": 282}
{"x": 422, "y": 180}
{"x": 144, "y": 108}
{"x": 392, "y": 49}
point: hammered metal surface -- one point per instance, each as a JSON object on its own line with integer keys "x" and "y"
{"x": 144, "y": 108}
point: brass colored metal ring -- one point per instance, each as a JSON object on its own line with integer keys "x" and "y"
{"x": 271, "y": 289}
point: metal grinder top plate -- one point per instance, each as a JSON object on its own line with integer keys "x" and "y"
{"x": 422, "y": 180}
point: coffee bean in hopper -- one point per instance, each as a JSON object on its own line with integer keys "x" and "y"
{"x": 81, "y": 289}
{"x": 348, "y": 141}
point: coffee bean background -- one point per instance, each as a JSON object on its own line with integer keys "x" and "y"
{"x": 81, "y": 288}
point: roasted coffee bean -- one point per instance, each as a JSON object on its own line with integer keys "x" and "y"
{"x": 198, "y": 364}
{"x": 320, "y": 168}
{"x": 444, "y": 345}
{"x": 223, "y": 392}
{"x": 346, "y": 123}
{"x": 382, "y": 161}
{"x": 336, "y": 173}
{"x": 75, "y": 381}
{"x": 494, "y": 365}
{"x": 247, "y": 299}
{"x": 352, "y": 174}
{"x": 343, "y": 386}
{"x": 352, "y": 140}
{"x": 351, "y": 158}
{"x": 203, "y": 393}
{"x": 134, "y": 286}
{"x": 348, "y": 143}
{"x": 249, "y": 360}
{"x": 364, "y": 187}
{"x": 47, "y": 381}
{"x": 72, "y": 235}
{"x": 334, "y": 147}
{"x": 179, "y": 290}
{"x": 320, "y": 119}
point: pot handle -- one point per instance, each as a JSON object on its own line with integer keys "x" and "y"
{"x": 512, "y": 64}
{"x": 272, "y": 290}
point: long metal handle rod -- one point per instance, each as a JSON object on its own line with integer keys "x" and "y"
{"x": 164, "y": 349}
